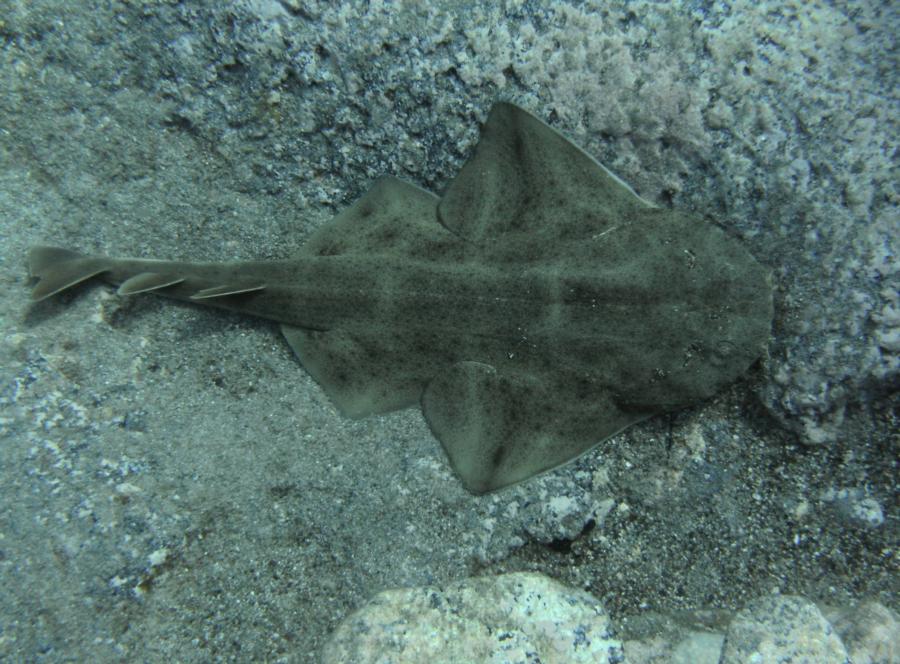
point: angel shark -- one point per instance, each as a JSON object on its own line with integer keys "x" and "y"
{"x": 537, "y": 308}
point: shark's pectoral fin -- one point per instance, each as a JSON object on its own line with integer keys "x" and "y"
{"x": 501, "y": 429}
{"x": 527, "y": 180}
{"x": 364, "y": 373}
{"x": 477, "y": 415}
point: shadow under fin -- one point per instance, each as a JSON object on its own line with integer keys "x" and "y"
{"x": 226, "y": 289}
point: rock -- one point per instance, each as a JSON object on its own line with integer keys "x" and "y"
{"x": 520, "y": 618}
{"x": 870, "y": 632}
{"x": 780, "y": 629}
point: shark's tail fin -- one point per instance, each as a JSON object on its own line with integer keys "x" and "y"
{"x": 58, "y": 269}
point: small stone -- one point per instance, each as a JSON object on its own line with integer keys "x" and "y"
{"x": 158, "y": 557}
{"x": 868, "y": 512}
{"x": 855, "y": 508}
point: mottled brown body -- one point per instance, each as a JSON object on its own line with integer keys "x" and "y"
{"x": 536, "y": 309}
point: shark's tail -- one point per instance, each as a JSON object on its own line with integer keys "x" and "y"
{"x": 58, "y": 269}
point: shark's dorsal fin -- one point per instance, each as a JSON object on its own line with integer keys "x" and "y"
{"x": 146, "y": 282}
